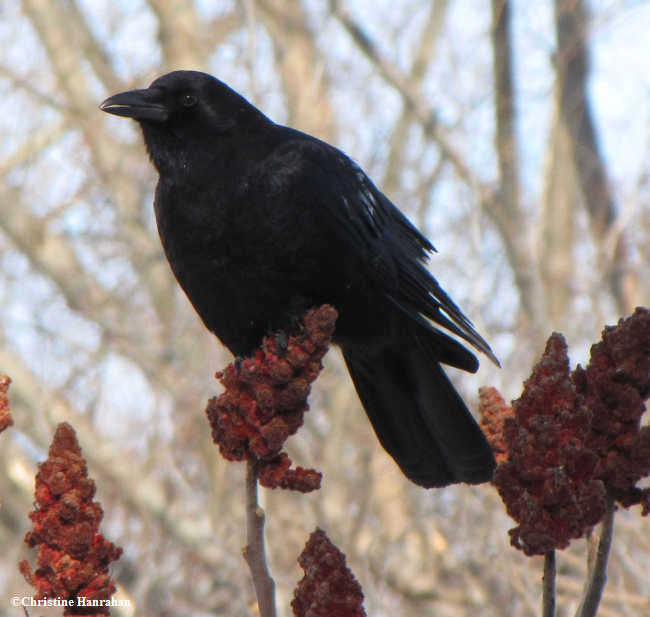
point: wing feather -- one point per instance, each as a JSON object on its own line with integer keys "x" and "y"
{"x": 392, "y": 247}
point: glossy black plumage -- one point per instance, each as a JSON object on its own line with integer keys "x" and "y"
{"x": 260, "y": 222}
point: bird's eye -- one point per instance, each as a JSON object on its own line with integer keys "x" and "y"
{"x": 189, "y": 100}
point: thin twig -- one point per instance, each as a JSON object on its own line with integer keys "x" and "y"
{"x": 598, "y": 570}
{"x": 254, "y": 552}
{"x": 548, "y": 588}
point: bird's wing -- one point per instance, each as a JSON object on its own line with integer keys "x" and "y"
{"x": 372, "y": 226}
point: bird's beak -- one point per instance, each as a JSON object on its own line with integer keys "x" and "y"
{"x": 144, "y": 104}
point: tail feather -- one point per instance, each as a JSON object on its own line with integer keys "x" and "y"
{"x": 419, "y": 417}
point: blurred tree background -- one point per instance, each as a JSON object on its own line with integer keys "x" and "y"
{"x": 514, "y": 134}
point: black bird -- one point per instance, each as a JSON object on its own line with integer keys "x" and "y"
{"x": 261, "y": 222}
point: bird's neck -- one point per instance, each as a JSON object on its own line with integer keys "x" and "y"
{"x": 193, "y": 161}
{"x": 168, "y": 154}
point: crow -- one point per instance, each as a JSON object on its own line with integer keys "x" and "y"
{"x": 260, "y": 222}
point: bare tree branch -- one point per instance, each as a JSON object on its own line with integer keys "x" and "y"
{"x": 178, "y": 32}
{"x": 506, "y": 143}
{"x": 425, "y": 115}
{"x": 572, "y": 62}
{"x": 548, "y": 595}
{"x": 254, "y": 552}
{"x": 20, "y": 83}
{"x": 89, "y": 46}
{"x": 424, "y": 56}
{"x": 511, "y": 216}
{"x": 559, "y": 205}
{"x": 598, "y": 570}
{"x": 303, "y": 74}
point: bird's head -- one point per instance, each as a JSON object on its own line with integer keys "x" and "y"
{"x": 182, "y": 110}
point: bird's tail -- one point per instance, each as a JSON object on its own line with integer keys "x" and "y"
{"x": 419, "y": 417}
